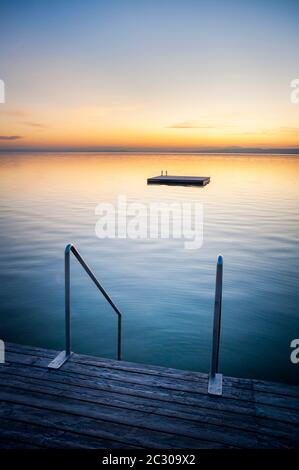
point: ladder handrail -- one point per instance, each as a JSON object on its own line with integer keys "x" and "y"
{"x": 215, "y": 379}
{"x": 65, "y": 355}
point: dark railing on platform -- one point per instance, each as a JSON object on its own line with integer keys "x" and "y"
{"x": 215, "y": 379}
{"x": 65, "y": 355}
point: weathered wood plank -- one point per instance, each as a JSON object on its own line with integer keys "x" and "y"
{"x": 44, "y": 437}
{"x": 246, "y": 396}
{"x": 144, "y": 421}
{"x": 237, "y": 406}
{"x": 110, "y": 363}
{"x": 109, "y": 409}
{"x": 129, "y": 435}
{"x": 165, "y": 394}
{"x": 154, "y": 405}
{"x": 257, "y": 385}
{"x": 10, "y": 444}
{"x": 129, "y": 404}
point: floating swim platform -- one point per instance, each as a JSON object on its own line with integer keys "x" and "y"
{"x": 179, "y": 180}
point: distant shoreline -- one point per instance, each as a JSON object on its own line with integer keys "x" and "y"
{"x": 235, "y": 151}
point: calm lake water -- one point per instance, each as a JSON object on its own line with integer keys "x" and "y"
{"x": 166, "y": 293}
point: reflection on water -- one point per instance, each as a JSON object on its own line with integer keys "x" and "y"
{"x": 165, "y": 292}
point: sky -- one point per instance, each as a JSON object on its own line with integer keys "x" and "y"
{"x": 159, "y": 74}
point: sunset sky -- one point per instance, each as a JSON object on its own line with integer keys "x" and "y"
{"x": 160, "y": 74}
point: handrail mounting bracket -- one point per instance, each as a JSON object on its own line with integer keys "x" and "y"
{"x": 59, "y": 360}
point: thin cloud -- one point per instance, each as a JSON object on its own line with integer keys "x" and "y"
{"x": 16, "y": 113}
{"x": 38, "y": 125}
{"x": 193, "y": 124}
{"x": 206, "y": 125}
{"x": 10, "y": 137}
{"x": 275, "y": 130}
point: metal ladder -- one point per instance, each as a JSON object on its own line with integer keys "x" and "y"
{"x": 215, "y": 379}
{"x": 65, "y": 355}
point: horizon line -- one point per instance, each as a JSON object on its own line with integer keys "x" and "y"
{"x": 224, "y": 150}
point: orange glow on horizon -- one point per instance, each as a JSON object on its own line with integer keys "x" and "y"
{"x": 143, "y": 127}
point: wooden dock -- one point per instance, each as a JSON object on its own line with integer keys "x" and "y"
{"x": 106, "y": 404}
{"x": 180, "y": 180}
